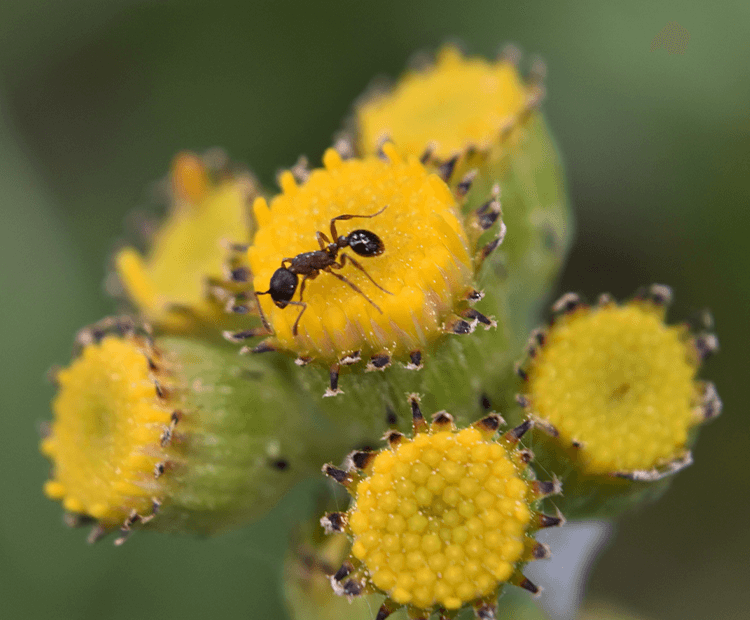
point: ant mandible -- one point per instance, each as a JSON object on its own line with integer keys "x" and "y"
{"x": 284, "y": 280}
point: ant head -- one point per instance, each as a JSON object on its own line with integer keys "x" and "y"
{"x": 365, "y": 243}
{"x": 282, "y": 287}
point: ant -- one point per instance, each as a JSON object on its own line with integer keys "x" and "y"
{"x": 284, "y": 280}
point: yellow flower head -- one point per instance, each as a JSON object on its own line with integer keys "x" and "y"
{"x": 619, "y": 385}
{"x": 442, "y": 520}
{"x": 171, "y": 284}
{"x": 391, "y": 278}
{"x": 457, "y": 103}
{"x": 112, "y": 428}
{"x": 144, "y": 426}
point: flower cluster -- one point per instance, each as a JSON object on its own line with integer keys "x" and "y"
{"x": 387, "y": 258}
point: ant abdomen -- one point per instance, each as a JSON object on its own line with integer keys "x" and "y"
{"x": 283, "y": 286}
{"x": 365, "y": 243}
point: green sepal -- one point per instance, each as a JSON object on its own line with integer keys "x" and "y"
{"x": 590, "y": 496}
{"x": 584, "y": 495}
{"x": 457, "y": 371}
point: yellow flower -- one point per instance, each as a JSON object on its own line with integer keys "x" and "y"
{"x": 619, "y": 385}
{"x": 171, "y": 286}
{"x": 112, "y": 430}
{"x": 156, "y": 433}
{"x": 395, "y": 274}
{"x": 456, "y": 104}
{"x": 441, "y": 520}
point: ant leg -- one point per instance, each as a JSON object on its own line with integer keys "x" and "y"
{"x": 354, "y": 286}
{"x": 309, "y": 276}
{"x": 335, "y": 235}
{"x": 346, "y": 257}
{"x": 299, "y": 316}
{"x": 300, "y": 302}
{"x": 323, "y": 241}
{"x": 260, "y": 310}
{"x": 255, "y": 331}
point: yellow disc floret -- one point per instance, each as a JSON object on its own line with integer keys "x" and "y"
{"x": 620, "y": 383}
{"x": 405, "y": 292}
{"x": 104, "y": 442}
{"x": 442, "y": 520}
{"x": 457, "y": 103}
{"x": 189, "y": 247}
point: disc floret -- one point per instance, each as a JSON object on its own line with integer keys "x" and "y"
{"x": 618, "y": 384}
{"x": 441, "y": 520}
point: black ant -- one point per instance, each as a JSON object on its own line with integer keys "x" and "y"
{"x": 284, "y": 280}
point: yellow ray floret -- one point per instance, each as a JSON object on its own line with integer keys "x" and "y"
{"x": 188, "y": 249}
{"x": 405, "y": 292}
{"x": 619, "y": 383}
{"x": 442, "y": 520}
{"x": 106, "y": 438}
{"x": 457, "y": 103}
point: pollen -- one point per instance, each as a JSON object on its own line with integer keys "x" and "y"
{"x": 392, "y": 302}
{"x": 457, "y": 102}
{"x": 620, "y": 383}
{"x": 104, "y": 443}
{"x": 427, "y": 527}
{"x": 208, "y": 210}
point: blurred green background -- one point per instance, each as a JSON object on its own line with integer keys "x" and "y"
{"x": 96, "y": 96}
